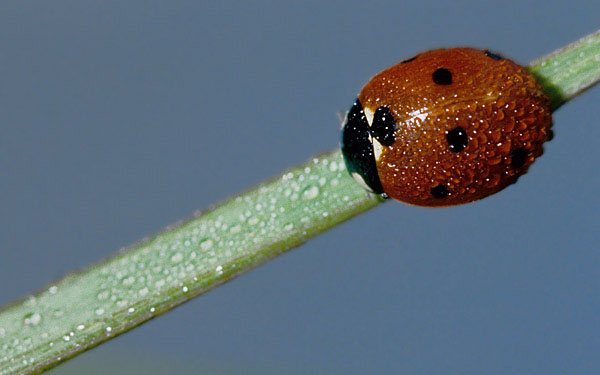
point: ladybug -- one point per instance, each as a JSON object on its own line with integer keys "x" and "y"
{"x": 446, "y": 127}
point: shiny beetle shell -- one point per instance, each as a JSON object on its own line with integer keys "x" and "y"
{"x": 446, "y": 127}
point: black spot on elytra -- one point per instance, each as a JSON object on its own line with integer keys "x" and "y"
{"x": 442, "y": 76}
{"x": 518, "y": 157}
{"x": 493, "y": 55}
{"x": 457, "y": 139}
{"x": 440, "y": 191}
{"x": 357, "y": 148}
{"x": 408, "y": 60}
{"x": 383, "y": 127}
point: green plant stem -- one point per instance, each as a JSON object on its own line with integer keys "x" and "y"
{"x": 189, "y": 258}
{"x": 571, "y": 70}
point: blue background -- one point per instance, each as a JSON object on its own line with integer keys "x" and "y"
{"x": 121, "y": 117}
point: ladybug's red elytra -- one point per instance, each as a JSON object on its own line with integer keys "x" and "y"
{"x": 446, "y": 127}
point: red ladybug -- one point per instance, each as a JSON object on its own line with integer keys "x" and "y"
{"x": 446, "y": 127}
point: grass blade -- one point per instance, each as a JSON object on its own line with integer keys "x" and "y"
{"x": 189, "y": 258}
{"x": 152, "y": 277}
{"x": 571, "y": 70}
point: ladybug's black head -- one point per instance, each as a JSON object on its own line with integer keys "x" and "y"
{"x": 357, "y": 149}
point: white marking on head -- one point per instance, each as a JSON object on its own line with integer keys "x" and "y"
{"x": 361, "y": 181}
{"x": 377, "y": 148}
{"x": 369, "y": 113}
